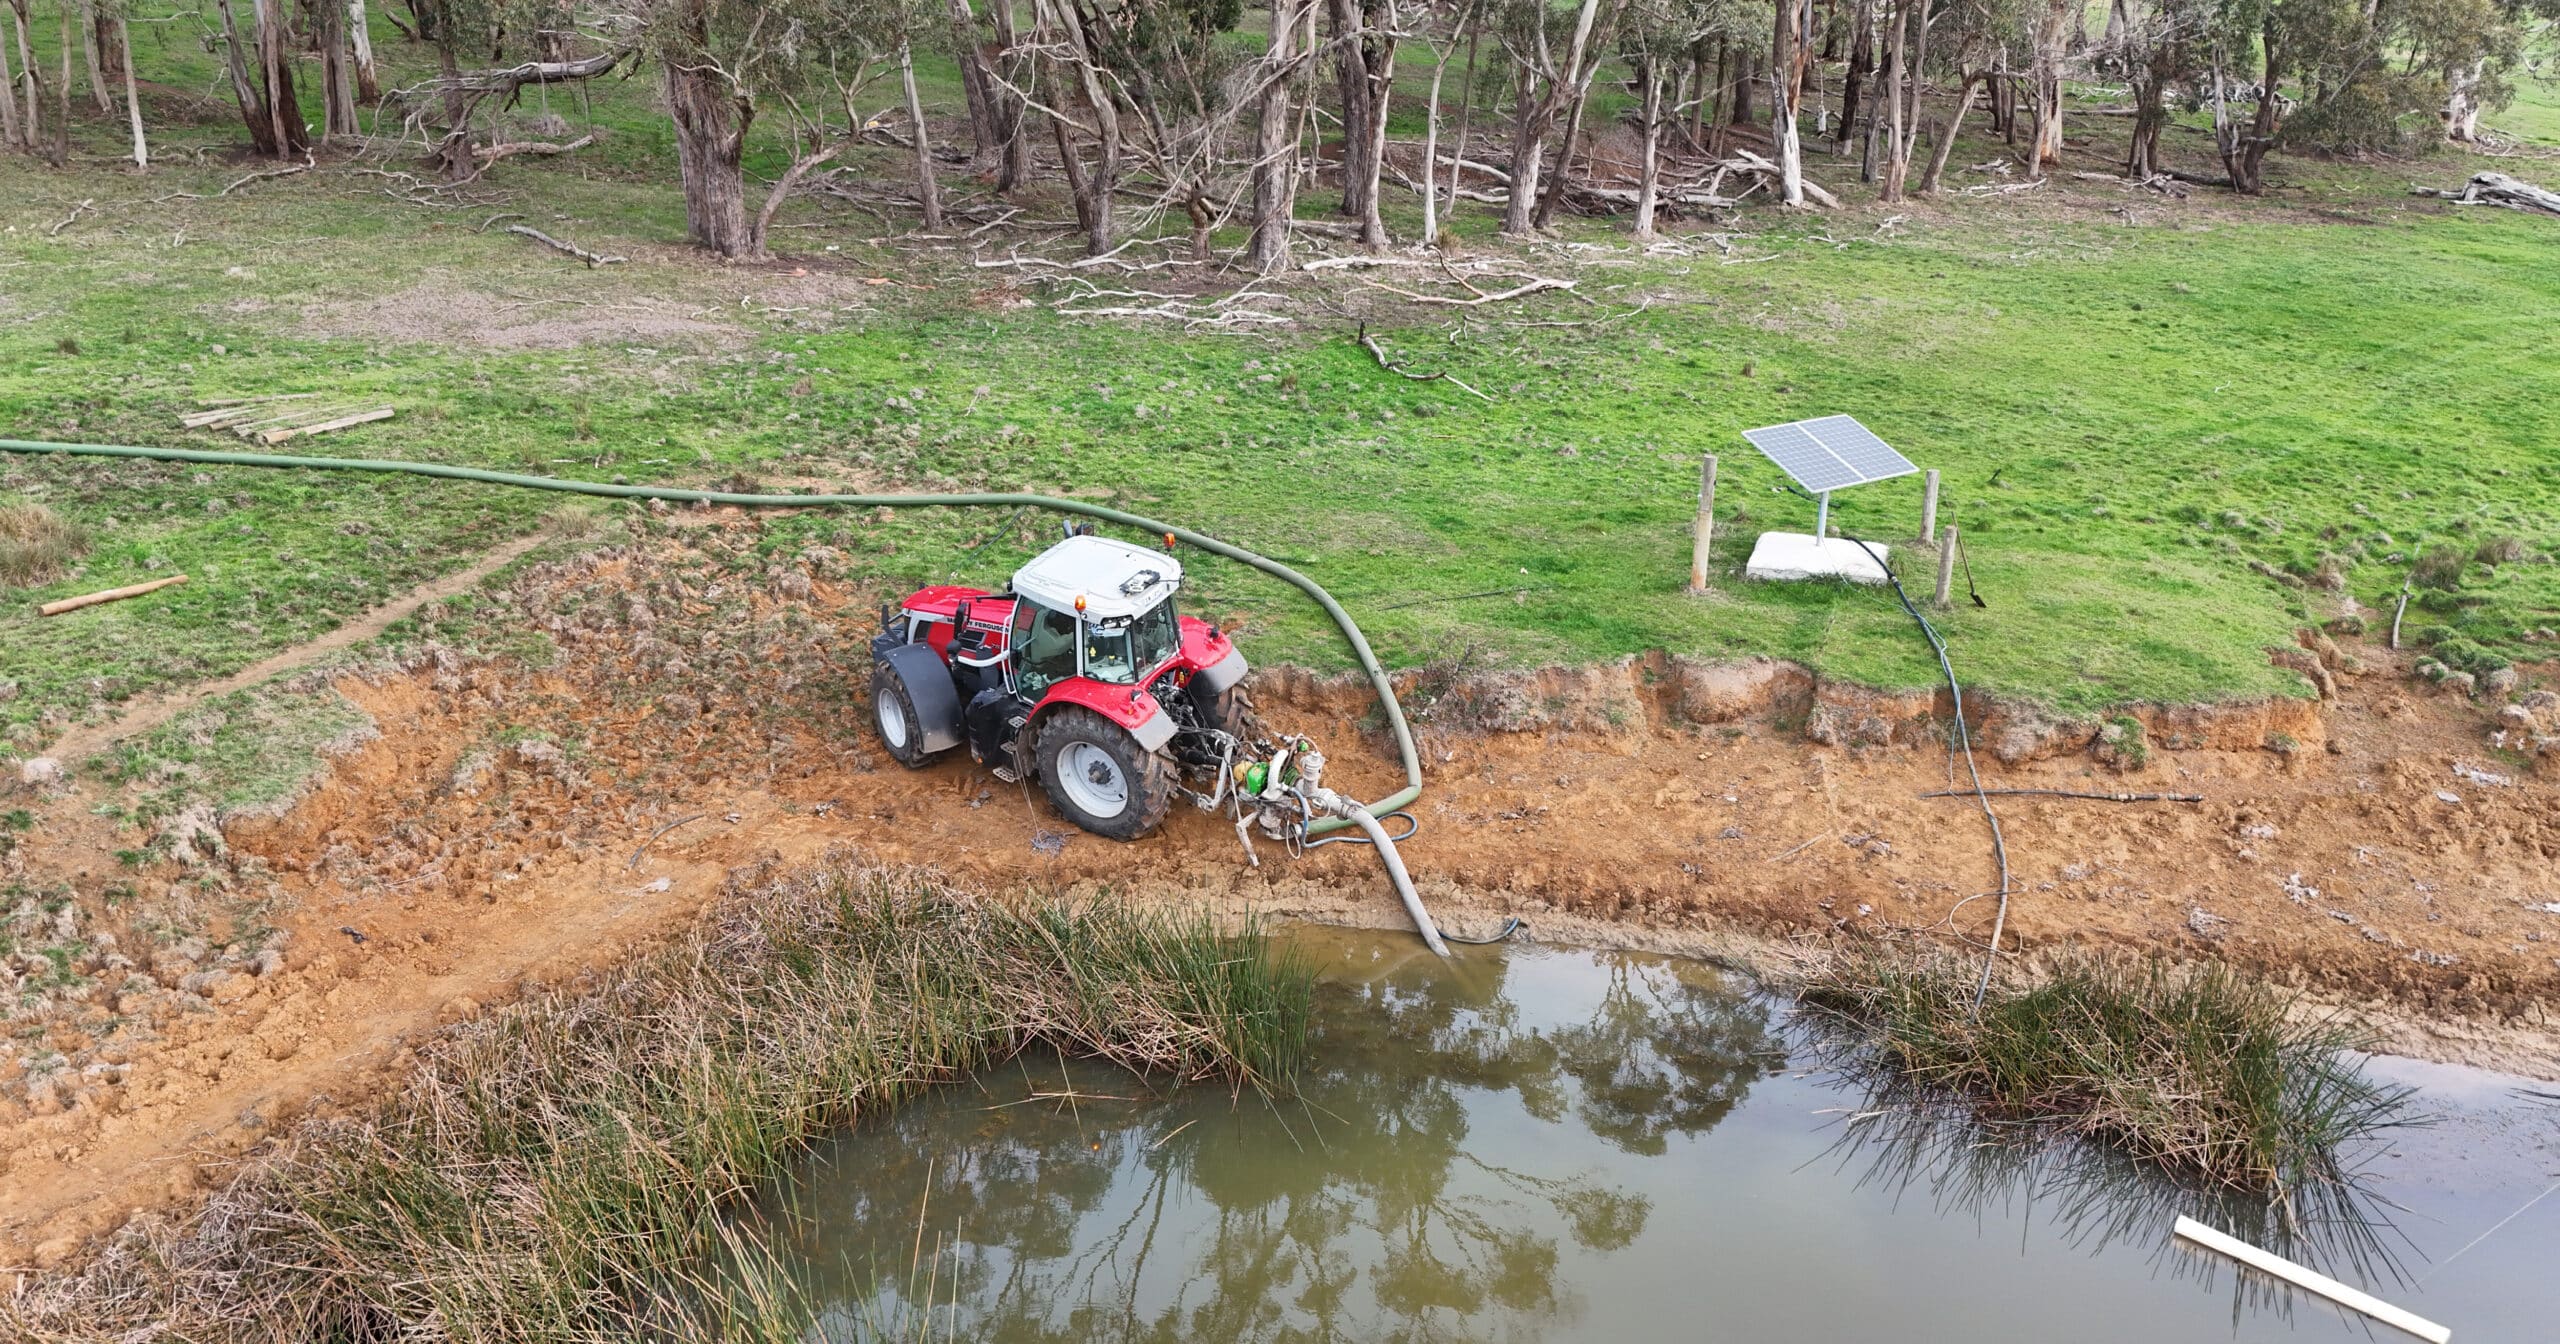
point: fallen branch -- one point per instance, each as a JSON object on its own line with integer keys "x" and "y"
{"x": 2499, "y": 189}
{"x": 2072, "y": 793}
{"x": 509, "y": 79}
{"x": 287, "y": 171}
{"x": 89, "y": 204}
{"x": 592, "y": 259}
{"x": 1536, "y": 284}
{"x": 1370, "y": 343}
{"x": 110, "y": 595}
{"x": 489, "y": 154}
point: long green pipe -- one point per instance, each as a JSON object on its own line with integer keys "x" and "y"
{"x": 1359, "y": 643}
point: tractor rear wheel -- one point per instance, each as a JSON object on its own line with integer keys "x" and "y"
{"x": 893, "y": 714}
{"x": 1229, "y": 711}
{"x": 1095, "y": 772}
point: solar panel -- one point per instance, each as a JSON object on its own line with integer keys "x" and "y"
{"x": 1830, "y": 453}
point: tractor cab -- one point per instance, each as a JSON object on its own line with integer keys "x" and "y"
{"x": 1096, "y": 608}
{"x": 1081, "y": 670}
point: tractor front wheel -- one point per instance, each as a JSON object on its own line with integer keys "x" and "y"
{"x": 1096, "y": 773}
{"x": 893, "y": 713}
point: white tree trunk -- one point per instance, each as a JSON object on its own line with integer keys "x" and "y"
{"x": 2462, "y": 103}
{"x": 1431, "y": 152}
{"x": 1466, "y": 119}
{"x": 132, "y": 101}
{"x": 1275, "y": 165}
{"x": 1379, "y": 87}
{"x": 360, "y": 36}
{"x": 926, "y": 189}
{"x": 98, "y": 95}
{"x": 1783, "y": 132}
{"x": 1649, "y": 182}
{"x": 8, "y": 94}
{"x": 31, "y": 129}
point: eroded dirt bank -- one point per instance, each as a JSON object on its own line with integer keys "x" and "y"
{"x": 2370, "y": 849}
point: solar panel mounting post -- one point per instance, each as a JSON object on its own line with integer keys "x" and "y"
{"x": 1822, "y": 517}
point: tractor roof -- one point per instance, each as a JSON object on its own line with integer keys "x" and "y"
{"x": 1114, "y": 578}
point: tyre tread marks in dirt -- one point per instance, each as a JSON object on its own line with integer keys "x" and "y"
{"x": 1151, "y": 774}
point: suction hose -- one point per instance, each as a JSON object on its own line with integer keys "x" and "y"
{"x": 1342, "y": 619}
{"x": 1359, "y": 816}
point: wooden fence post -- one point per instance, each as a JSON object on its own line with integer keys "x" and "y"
{"x": 1703, "y": 532}
{"x": 1946, "y": 564}
{"x": 1929, "y": 505}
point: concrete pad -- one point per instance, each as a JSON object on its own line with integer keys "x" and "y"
{"x": 1794, "y": 555}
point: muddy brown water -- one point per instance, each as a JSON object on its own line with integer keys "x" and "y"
{"x": 1550, "y": 1144}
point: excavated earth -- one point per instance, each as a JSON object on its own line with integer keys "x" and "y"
{"x": 511, "y": 824}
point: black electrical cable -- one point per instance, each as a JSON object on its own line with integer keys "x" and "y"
{"x": 1964, "y": 738}
{"x": 1509, "y": 927}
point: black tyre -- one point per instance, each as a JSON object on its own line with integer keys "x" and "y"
{"x": 894, "y": 717}
{"x": 1097, "y": 775}
{"x": 1229, "y": 711}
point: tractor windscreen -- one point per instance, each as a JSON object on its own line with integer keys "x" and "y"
{"x": 1119, "y": 650}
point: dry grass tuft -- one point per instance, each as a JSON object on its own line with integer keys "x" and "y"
{"x": 561, "y": 1170}
{"x": 2192, "y": 1069}
{"x": 36, "y": 546}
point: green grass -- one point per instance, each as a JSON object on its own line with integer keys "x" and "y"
{"x": 2195, "y": 1070}
{"x": 564, "y": 1168}
{"x": 2136, "y": 423}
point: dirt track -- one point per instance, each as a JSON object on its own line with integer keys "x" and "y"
{"x": 472, "y": 861}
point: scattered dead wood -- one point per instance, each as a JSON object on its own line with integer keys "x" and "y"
{"x": 489, "y": 154}
{"x": 592, "y": 259}
{"x": 91, "y": 204}
{"x": 2167, "y": 184}
{"x": 287, "y": 171}
{"x": 507, "y": 80}
{"x": 2499, "y": 189}
{"x": 110, "y": 595}
{"x": 1370, "y": 344}
{"x": 1534, "y": 284}
{"x": 1226, "y": 312}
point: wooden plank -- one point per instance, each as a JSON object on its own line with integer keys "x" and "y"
{"x": 2313, "y": 1281}
{"x": 110, "y": 595}
{"x": 230, "y": 407}
{"x": 341, "y": 422}
{"x": 305, "y": 415}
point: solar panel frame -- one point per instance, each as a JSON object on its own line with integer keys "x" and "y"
{"x": 1830, "y": 452}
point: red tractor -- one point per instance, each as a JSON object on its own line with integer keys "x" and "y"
{"x": 1080, "y": 670}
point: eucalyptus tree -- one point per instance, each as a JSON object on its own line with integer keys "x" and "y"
{"x": 723, "y": 61}
{"x": 1546, "y": 88}
{"x": 1655, "y": 38}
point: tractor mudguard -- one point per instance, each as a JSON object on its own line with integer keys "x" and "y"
{"x": 1221, "y": 664}
{"x": 929, "y": 686}
{"x": 1137, "y": 711}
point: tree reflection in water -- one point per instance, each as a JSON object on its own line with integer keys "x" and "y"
{"x": 1417, "y": 1185}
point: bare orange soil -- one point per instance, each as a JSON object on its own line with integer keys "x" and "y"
{"x": 437, "y": 868}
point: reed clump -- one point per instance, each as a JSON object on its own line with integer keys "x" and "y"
{"x": 2195, "y": 1069}
{"x": 567, "y": 1168}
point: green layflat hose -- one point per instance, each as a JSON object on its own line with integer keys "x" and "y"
{"x": 1350, "y": 631}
